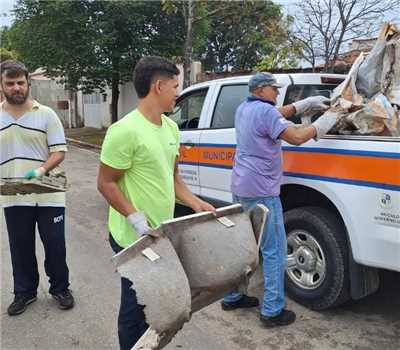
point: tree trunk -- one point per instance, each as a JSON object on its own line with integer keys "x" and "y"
{"x": 114, "y": 99}
{"x": 187, "y": 61}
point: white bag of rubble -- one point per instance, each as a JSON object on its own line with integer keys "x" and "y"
{"x": 368, "y": 101}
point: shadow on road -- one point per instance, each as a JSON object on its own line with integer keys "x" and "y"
{"x": 385, "y": 302}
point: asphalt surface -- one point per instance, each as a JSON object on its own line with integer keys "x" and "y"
{"x": 369, "y": 324}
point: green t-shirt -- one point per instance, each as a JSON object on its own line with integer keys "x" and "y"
{"x": 147, "y": 152}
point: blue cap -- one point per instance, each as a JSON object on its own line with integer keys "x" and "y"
{"x": 261, "y": 79}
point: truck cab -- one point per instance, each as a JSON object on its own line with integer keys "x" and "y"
{"x": 341, "y": 195}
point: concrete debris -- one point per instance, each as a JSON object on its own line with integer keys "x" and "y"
{"x": 52, "y": 182}
{"x": 148, "y": 341}
{"x": 193, "y": 262}
{"x": 368, "y": 101}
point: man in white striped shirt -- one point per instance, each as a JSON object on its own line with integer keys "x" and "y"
{"x": 32, "y": 143}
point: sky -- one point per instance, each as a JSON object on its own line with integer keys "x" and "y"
{"x": 5, "y": 15}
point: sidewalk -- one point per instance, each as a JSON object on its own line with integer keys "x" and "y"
{"x": 86, "y": 137}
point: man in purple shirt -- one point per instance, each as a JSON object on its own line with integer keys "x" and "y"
{"x": 256, "y": 178}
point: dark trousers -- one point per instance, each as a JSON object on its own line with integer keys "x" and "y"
{"x": 131, "y": 319}
{"x": 21, "y": 222}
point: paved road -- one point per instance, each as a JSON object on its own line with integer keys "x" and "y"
{"x": 373, "y": 323}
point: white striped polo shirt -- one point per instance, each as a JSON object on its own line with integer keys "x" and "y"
{"x": 25, "y": 144}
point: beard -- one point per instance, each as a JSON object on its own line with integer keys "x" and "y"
{"x": 18, "y": 98}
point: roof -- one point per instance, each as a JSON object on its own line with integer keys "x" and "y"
{"x": 39, "y": 74}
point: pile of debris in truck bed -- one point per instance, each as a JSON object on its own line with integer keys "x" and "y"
{"x": 368, "y": 100}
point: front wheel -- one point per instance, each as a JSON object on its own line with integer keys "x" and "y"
{"x": 317, "y": 273}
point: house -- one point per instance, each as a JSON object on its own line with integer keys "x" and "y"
{"x": 77, "y": 109}
{"x": 346, "y": 59}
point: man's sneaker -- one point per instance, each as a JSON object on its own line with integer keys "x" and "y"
{"x": 243, "y": 303}
{"x": 19, "y": 305}
{"x": 65, "y": 299}
{"x": 284, "y": 318}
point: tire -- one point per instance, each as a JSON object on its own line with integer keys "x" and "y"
{"x": 317, "y": 274}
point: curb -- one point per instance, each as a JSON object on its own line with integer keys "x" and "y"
{"x": 82, "y": 144}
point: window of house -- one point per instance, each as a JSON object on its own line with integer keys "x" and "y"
{"x": 188, "y": 110}
{"x": 230, "y": 97}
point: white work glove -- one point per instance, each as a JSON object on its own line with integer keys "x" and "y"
{"x": 306, "y": 120}
{"x": 315, "y": 103}
{"x": 35, "y": 173}
{"x": 139, "y": 223}
{"x": 324, "y": 123}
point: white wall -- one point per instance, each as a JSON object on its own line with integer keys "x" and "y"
{"x": 128, "y": 99}
{"x": 49, "y": 92}
{"x": 96, "y": 110}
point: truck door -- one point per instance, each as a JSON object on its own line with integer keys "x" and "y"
{"x": 218, "y": 143}
{"x": 187, "y": 115}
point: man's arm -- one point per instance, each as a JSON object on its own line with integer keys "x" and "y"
{"x": 297, "y": 136}
{"x": 186, "y": 196}
{"x": 54, "y": 160}
{"x": 107, "y": 184}
{"x": 287, "y": 111}
{"x": 298, "y": 107}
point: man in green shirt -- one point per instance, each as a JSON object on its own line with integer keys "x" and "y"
{"x": 138, "y": 175}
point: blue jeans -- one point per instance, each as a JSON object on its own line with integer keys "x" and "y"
{"x": 21, "y": 226}
{"x": 131, "y": 319}
{"x": 274, "y": 252}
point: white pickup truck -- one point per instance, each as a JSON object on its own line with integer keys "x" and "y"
{"x": 341, "y": 195}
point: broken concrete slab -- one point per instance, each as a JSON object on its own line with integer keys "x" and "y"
{"x": 190, "y": 263}
{"x": 52, "y": 182}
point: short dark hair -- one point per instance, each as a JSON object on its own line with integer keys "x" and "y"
{"x": 148, "y": 69}
{"x": 13, "y": 69}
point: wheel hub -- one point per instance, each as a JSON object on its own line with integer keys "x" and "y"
{"x": 305, "y": 259}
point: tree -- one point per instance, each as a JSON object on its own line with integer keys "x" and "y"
{"x": 283, "y": 56}
{"x": 195, "y": 17}
{"x": 93, "y": 44}
{"x": 224, "y": 34}
{"x": 7, "y": 54}
{"x": 6, "y": 51}
{"x": 257, "y": 31}
{"x": 323, "y": 26}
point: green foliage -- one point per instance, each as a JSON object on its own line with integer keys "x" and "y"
{"x": 93, "y": 44}
{"x": 281, "y": 57}
{"x": 243, "y": 34}
{"x": 281, "y": 51}
{"x": 201, "y": 21}
{"x": 6, "y": 51}
{"x": 7, "y": 54}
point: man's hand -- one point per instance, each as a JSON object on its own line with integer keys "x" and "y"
{"x": 324, "y": 123}
{"x": 201, "y": 206}
{"x": 139, "y": 223}
{"x": 316, "y": 103}
{"x": 35, "y": 173}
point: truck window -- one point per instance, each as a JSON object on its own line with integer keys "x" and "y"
{"x": 230, "y": 97}
{"x": 188, "y": 109}
{"x": 298, "y": 92}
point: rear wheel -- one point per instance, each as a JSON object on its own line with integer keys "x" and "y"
{"x": 317, "y": 274}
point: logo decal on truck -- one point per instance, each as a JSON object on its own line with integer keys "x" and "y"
{"x": 386, "y": 201}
